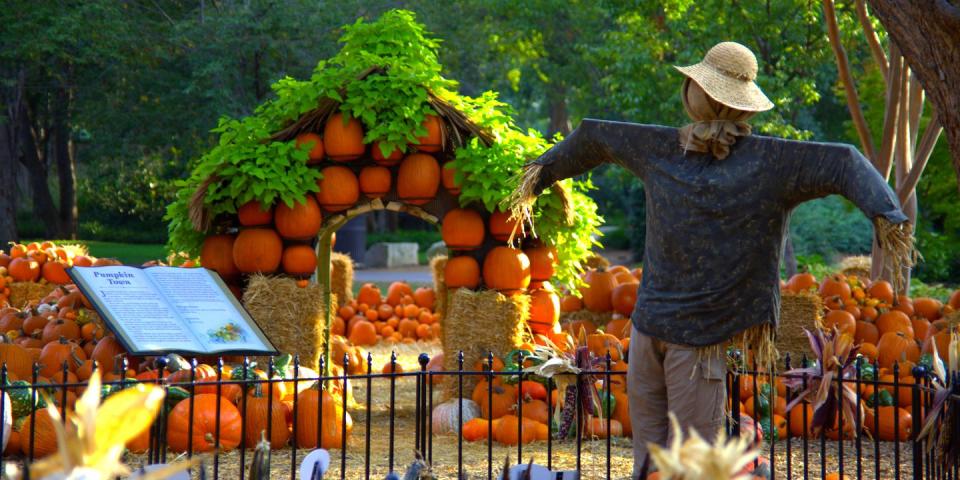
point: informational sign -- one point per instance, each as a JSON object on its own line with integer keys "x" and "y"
{"x": 167, "y": 309}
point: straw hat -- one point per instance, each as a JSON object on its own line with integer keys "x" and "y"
{"x": 727, "y": 73}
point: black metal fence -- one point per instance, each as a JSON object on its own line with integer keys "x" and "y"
{"x": 403, "y": 426}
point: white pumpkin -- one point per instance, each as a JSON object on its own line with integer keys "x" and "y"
{"x": 444, "y": 416}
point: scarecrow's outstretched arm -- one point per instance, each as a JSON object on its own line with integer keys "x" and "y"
{"x": 820, "y": 169}
{"x": 596, "y": 142}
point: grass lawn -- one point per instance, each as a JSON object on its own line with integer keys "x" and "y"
{"x": 128, "y": 253}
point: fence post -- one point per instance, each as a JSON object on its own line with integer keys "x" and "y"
{"x": 916, "y": 415}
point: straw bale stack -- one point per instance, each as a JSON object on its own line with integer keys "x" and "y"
{"x": 341, "y": 276}
{"x": 438, "y": 264}
{"x": 797, "y": 312}
{"x": 293, "y": 318}
{"x": 478, "y": 323}
{"x": 28, "y": 293}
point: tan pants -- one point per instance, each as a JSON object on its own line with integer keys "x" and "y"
{"x": 665, "y": 377}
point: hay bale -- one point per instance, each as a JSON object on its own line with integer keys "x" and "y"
{"x": 797, "y": 312}
{"x": 438, "y": 264}
{"x": 595, "y": 262}
{"x": 341, "y": 276}
{"x": 599, "y": 319}
{"x": 859, "y": 266}
{"x": 293, "y": 318}
{"x": 28, "y": 293}
{"x": 477, "y": 323}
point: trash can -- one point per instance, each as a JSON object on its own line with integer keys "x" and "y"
{"x": 352, "y": 238}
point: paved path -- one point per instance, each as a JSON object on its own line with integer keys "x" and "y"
{"x": 419, "y": 274}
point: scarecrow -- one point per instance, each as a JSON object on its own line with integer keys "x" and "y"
{"x": 718, "y": 201}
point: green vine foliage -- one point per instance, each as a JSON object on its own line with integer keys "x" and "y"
{"x": 383, "y": 76}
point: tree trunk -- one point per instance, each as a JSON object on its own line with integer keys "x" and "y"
{"x": 43, "y": 205}
{"x": 927, "y": 33}
{"x": 789, "y": 256}
{"x": 559, "y": 115}
{"x": 9, "y": 150}
{"x": 63, "y": 151}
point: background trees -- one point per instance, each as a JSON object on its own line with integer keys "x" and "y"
{"x": 105, "y": 104}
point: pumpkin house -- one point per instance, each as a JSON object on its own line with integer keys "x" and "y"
{"x": 377, "y": 127}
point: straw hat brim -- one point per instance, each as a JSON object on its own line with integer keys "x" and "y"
{"x": 734, "y": 93}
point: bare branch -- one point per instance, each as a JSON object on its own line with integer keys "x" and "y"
{"x": 916, "y": 97}
{"x": 843, "y": 65}
{"x": 902, "y": 155}
{"x": 872, "y": 39}
{"x": 929, "y": 140}
{"x": 891, "y": 110}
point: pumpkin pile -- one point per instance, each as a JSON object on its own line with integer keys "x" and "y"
{"x": 891, "y": 331}
{"x": 44, "y": 263}
{"x": 520, "y": 411}
{"x": 281, "y": 237}
{"x": 611, "y": 293}
{"x": 402, "y": 316}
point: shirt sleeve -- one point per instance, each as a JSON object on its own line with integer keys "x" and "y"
{"x": 596, "y": 142}
{"x": 819, "y": 169}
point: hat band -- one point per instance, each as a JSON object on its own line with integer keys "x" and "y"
{"x": 736, "y": 75}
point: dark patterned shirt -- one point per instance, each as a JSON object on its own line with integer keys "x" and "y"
{"x": 715, "y": 228}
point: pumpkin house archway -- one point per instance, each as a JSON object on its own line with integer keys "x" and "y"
{"x": 377, "y": 127}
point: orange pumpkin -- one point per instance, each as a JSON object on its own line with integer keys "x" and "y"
{"x": 501, "y": 227}
{"x": 387, "y": 160}
{"x": 462, "y": 271}
{"x": 570, "y": 303}
{"x": 449, "y": 178}
{"x": 506, "y": 269}
{"x": 257, "y": 250}
{"x": 339, "y": 188}
{"x": 866, "y": 332}
{"x": 375, "y": 181}
{"x": 890, "y": 428}
{"x": 881, "y": 290}
{"x": 544, "y": 312}
{"x": 313, "y": 144}
{"x": 510, "y": 431}
{"x": 842, "y": 320}
{"x": 894, "y": 321}
{"x": 462, "y": 229}
{"x": 343, "y": 138}
{"x": 259, "y": 409}
{"x": 624, "y": 297}
{"x": 299, "y": 260}
{"x": 542, "y": 262}
{"x": 204, "y": 424}
{"x": 217, "y": 255}
{"x": 55, "y": 272}
{"x": 55, "y": 354}
{"x": 44, "y": 433}
{"x": 835, "y": 286}
{"x": 253, "y": 214}
{"x": 332, "y": 418}
{"x": 598, "y": 291}
{"x": 418, "y": 179}
{"x": 801, "y": 282}
{"x": 954, "y": 301}
{"x": 929, "y": 308}
{"x": 895, "y": 346}
{"x": 432, "y": 141}
{"x": 24, "y": 269}
{"x": 301, "y": 221}
{"x": 597, "y": 428}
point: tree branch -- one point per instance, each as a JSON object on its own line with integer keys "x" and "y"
{"x": 902, "y": 146}
{"x": 915, "y": 99}
{"x": 843, "y": 65}
{"x": 890, "y": 112}
{"x": 872, "y": 40}
{"x": 923, "y": 152}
